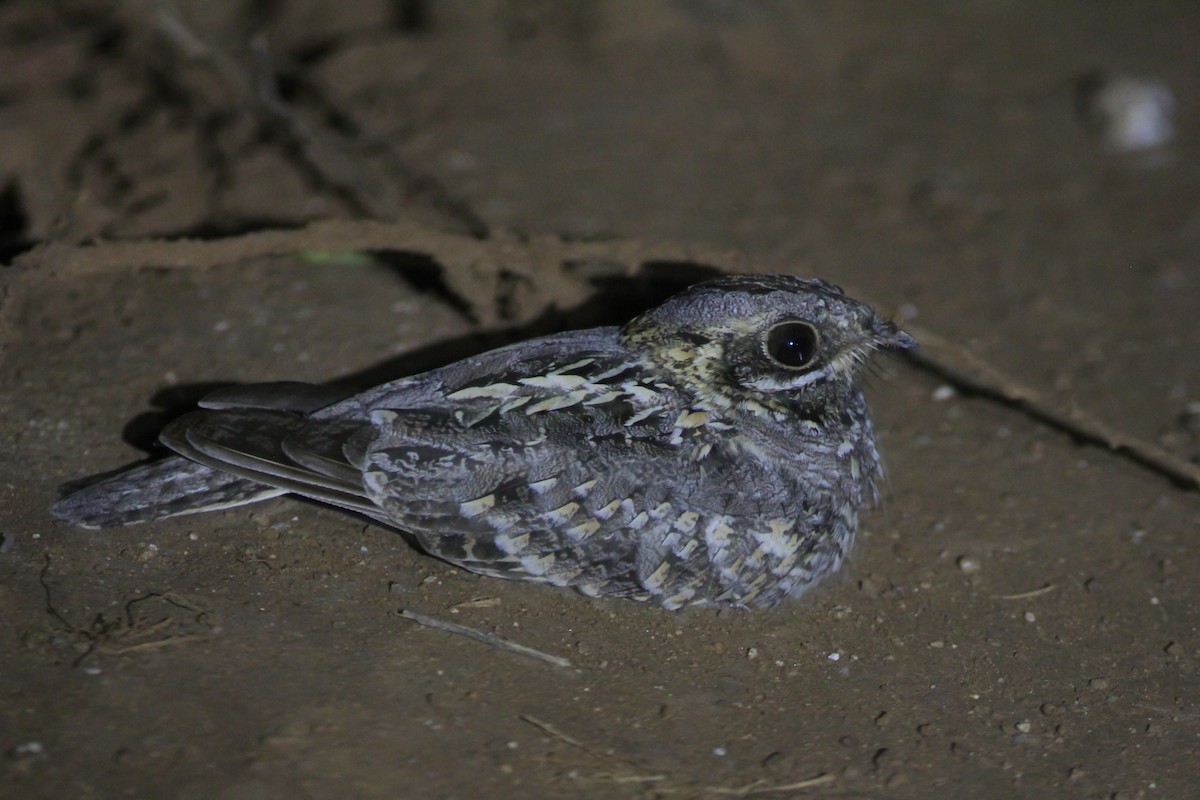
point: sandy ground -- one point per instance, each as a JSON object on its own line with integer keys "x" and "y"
{"x": 1018, "y": 620}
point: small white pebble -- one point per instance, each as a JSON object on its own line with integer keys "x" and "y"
{"x": 944, "y": 392}
{"x": 752, "y": 653}
{"x": 1030, "y": 616}
{"x": 718, "y": 751}
{"x": 835, "y": 656}
{"x": 968, "y": 564}
{"x": 1024, "y": 726}
{"x": 1132, "y": 113}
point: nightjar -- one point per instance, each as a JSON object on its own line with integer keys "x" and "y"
{"x": 714, "y": 450}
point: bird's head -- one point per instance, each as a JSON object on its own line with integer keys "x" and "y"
{"x": 768, "y": 341}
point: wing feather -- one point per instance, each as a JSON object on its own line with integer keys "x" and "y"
{"x": 249, "y": 444}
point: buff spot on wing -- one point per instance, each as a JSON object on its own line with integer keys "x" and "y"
{"x": 556, "y": 383}
{"x": 691, "y": 419}
{"x": 562, "y": 514}
{"x": 583, "y": 362}
{"x": 640, "y": 393}
{"x": 558, "y": 401}
{"x": 515, "y": 403}
{"x": 584, "y": 530}
{"x": 537, "y": 565}
{"x": 717, "y": 533}
{"x": 607, "y": 511}
{"x": 493, "y": 390}
{"x": 512, "y": 544}
{"x": 473, "y": 508}
{"x": 541, "y": 487}
{"x": 645, "y": 413}
{"x": 686, "y": 522}
{"x": 752, "y": 590}
{"x": 654, "y": 580}
{"x": 661, "y": 510}
{"x": 607, "y": 397}
{"x": 680, "y": 598}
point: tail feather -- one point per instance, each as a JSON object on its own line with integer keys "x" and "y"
{"x": 168, "y": 488}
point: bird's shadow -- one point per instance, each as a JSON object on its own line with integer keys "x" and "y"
{"x": 613, "y": 301}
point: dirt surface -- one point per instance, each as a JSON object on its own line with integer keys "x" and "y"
{"x": 1018, "y": 620}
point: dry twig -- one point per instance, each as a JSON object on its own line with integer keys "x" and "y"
{"x": 1049, "y": 587}
{"x": 490, "y": 639}
{"x": 762, "y": 787}
{"x": 555, "y": 733}
{"x": 967, "y": 371}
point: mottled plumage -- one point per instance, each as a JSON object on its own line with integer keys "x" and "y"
{"x": 714, "y": 450}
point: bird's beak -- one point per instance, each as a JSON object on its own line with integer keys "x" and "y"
{"x": 890, "y": 337}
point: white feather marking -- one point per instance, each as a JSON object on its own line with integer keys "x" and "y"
{"x": 607, "y": 511}
{"x": 641, "y": 415}
{"x": 473, "y": 508}
{"x": 607, "y": 397}
{"x": 583, "y": 530}
{"x": 535, "y": 565}
{"x": 640, "y": 393}
{"x": 583, "y": 362}
{"x": 541, "y": 487}
{"x": 562, "y": 515}
{"x": 691, "y": 419}
{"x": 383, "y": 416}
{"x": 654, "y": 580}
{"x": 516, "y": 402}
{"x": 717, "y": 533}
{"x": 557, "y": 383}
{"x": 686, "y": 522}
{"x": 492, "y": 390}
{"x": 511, "y": 545}
{"x": 558, "y": 401}
{"x": 617, "y": 370}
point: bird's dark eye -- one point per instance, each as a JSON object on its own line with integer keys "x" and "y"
{"x": 792, "y": 344}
